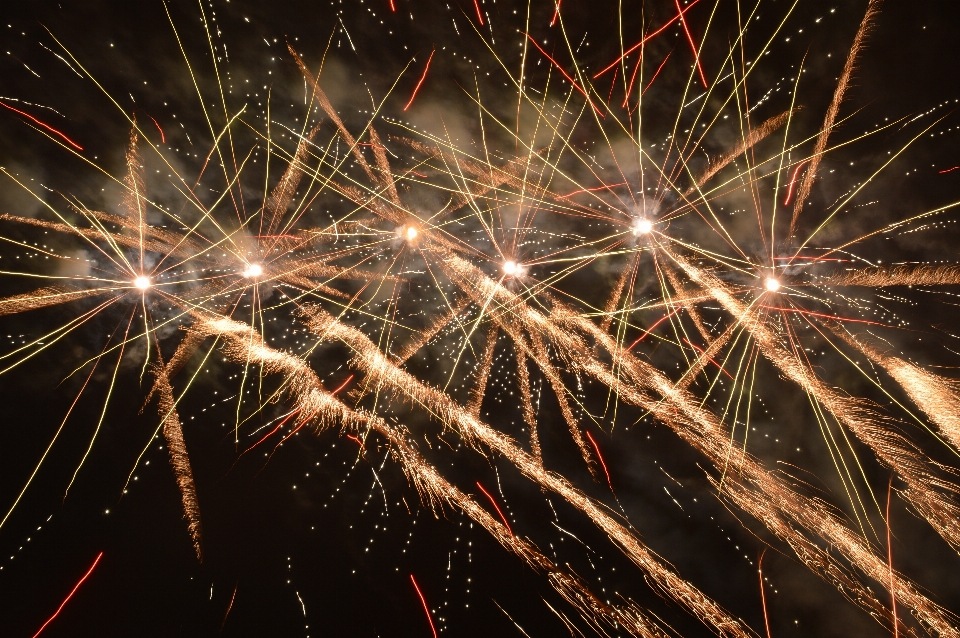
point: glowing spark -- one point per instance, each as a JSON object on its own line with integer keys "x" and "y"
{"x": 425, "y": 607}
{"x": 423, "y": 77}
{"x": 253, "y": 270}
{"x": 510, "y": 268}
{"x": 69, "y": 596}
{"x": 46, "y": 126}
{"x": 411, "y": 233}
{"x": 142, "y": 282}
{"x": 771, "y": 284}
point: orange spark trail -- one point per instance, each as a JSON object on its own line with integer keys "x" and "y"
{"x": 422, "y": 78}
{"x": 556, "y": 13}
{"x": 793, "y": 181}
{"x": 646, "y": 39}
{"x": 693, "y": 47}
{"x": 603, "y": 464}
{"x": 897, "y": 276}
{"x": 496, "y": 507}
{"x": 46, "y": 126}
{"x": 273, "y": 431}
{"x": 560, "y": 68}
{"x": 69, "y": 596}
{"x": 633, "y": 77}
{"x": 425, "y": 608}
{"x": 710, "y": 359}
{"x": 948, "y": 170}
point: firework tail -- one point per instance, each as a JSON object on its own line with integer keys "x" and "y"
{"x": 381, "y": 372}
{"x": 617, "y": 293}
{"x": 286, "y": 188}
{"x": 937, "y": 396}
{"x": 134, "y": 199}
{"x": 873, "y": 7}
{"x": 683, "y": 413}
{"x": 897, "y": 276}
{"x": 242, "y": 344}
{"x": 479, "y": 388}
{"x": 427, "y": 335}
{"x": 45, "y": 297}
{"x": 529, "y": 416}
{"x": 179, "y": 459}
{"x": 691, "y": 308}
{"x": 754, "y": 137}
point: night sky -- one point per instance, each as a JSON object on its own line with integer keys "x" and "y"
{"x": 320, "y": 537}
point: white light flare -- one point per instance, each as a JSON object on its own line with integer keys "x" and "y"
{"x": 253, "y": 270}
{"x": 411, "y": 233}
{"x": 642, "y": 226}
{"x": 511, "y": 268}
{"x": 771, "y": 284}
{"x": 142, "y": 282}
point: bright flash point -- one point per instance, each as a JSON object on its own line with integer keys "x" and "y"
{"x": 642, "y": 226}
{"x": 142, "y": 282}
{"x": 510, "y": 268}
{"x": 772, "y": 284}
{"x": 411, "y": 233}
{"x": 253, "y": 270}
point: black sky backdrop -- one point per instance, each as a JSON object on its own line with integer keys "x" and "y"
{"x": 301, "y": 546}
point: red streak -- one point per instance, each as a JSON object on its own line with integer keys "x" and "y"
{"x": 425, "y": 608}
{"x": 357, "y": 439}
{"x": 479, "y": 16}
{"x": 596, "y": 448}
{"x": 418, "y": 174}
{"x": 273, "y": 431}
{"x": 820, "y": 314}
{"x": 46, "y": 126}
{"x": 763, "y": 595}
{"x": 590, "y": 190}
{"x": 702, "y": 351}
{"x": 626, "y": 96}
{"x": 67, "y": 599}
{"x": 163, "y": 139}
{"x": 556, "y": 14}
{"x": 793, "y": 180}
{"x": 393, "y": 7}
{"x": 659, "y": 68}
{"x": 941, "y": 172}
{"x": 651, "y": 329}
{"x": 496, "y": 507}
{"x": 613, "y": 83}
{"x": 560, "y": 68}
{"x": 422, "y": 78}
{"x": 693, "y": 47}
{"x": 647, "y": 38}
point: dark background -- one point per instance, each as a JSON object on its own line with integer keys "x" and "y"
{"x": 312, "y": 524}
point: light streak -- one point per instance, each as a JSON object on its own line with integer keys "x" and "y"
{"x": 603, "y": 464}
{"x": 564, "y": 73}
{"x": 423, "y": 601}
{"x": 793, "y": 181}
{"x": 46, "y": 126}
{"x": 693, "y": 46}
{"x": 496, "y": 507}
{"x": 647, "y": 39}
{"x": 476, "y": 5}
{"x": 69, "y": 596}
{"x": 422, "y": 78}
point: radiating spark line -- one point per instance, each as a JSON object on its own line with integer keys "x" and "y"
{"x": 693, "y": 46}
{"x": 793, "y": 181}
{"x": 70, "y": 595}
{"x": 423, "y": 601}
{"x": 603, "y": 464}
